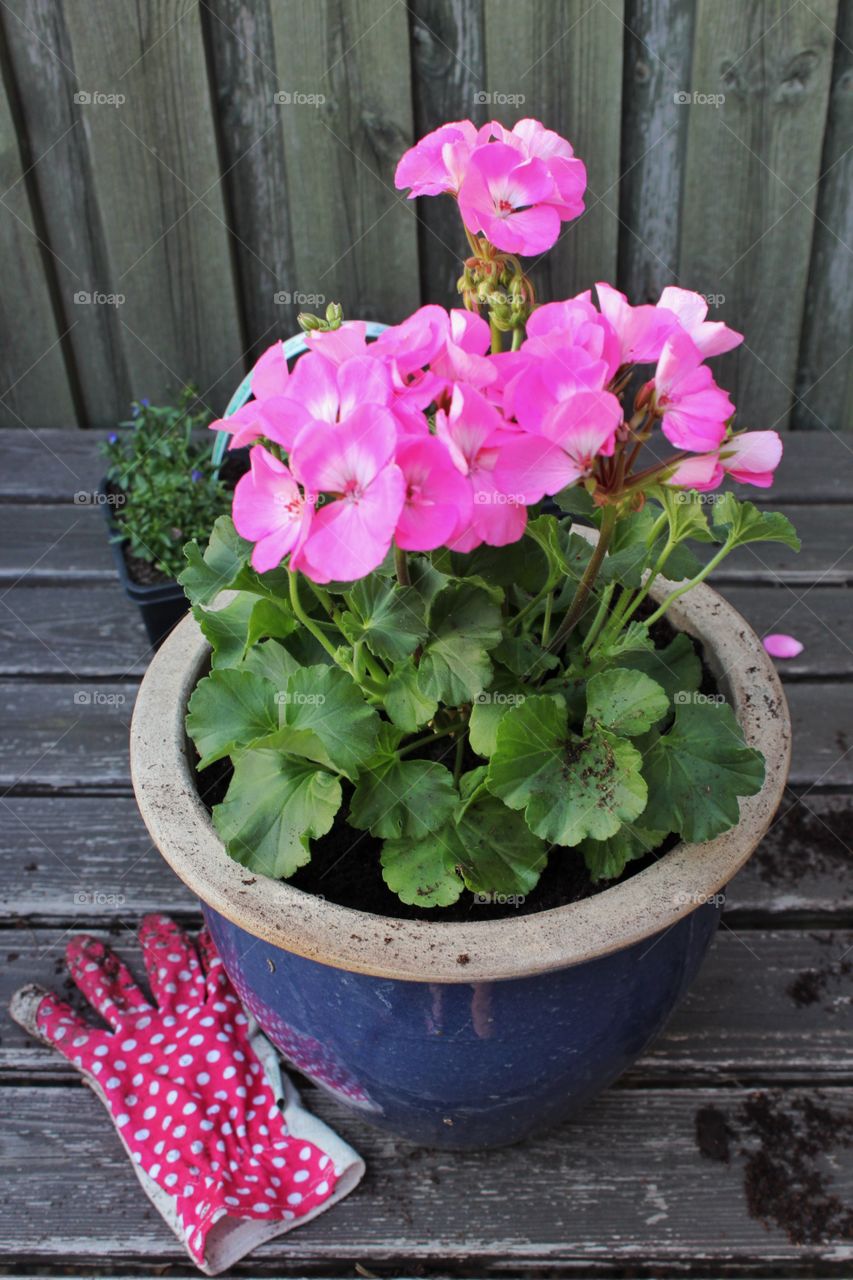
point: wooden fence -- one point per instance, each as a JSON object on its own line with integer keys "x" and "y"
{"x": 181, "y": 177}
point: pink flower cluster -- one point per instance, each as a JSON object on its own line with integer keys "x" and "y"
{"x": 514, "y": 186}
{"x": 424, "y": 439}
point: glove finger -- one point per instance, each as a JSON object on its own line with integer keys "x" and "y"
{"x": 105, "y": 981}
{"x": 57, "y": 1024}
{"x": 216, "y": 978}
{"x": 174, "y": 971}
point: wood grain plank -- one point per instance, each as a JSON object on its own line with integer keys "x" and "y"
{"x": 34, "y": 385}
{"x": 157, "y": 184}
{"x": 658, "y": 51}
{"x": 48, "y": 543}
{"x": 354, "y": 237}
{"x": 564, "y": 57}
{"x": 825, "y": 373}
{"x": 819, "y": 618}
{"x": 240, "y": 40}
{"x": 42, "y": 60}
{"x": 766, "y": 1006}
{"x": 746, "y": 234}
{"x": 623, "y": 1184}
{"x": 54, "y": 847}
{"x": 66, "y": 631}
{"x": 448, "y": 83}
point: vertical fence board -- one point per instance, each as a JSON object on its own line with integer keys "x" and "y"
{"x": 157, "y": 179}
{"x": 34, "y": 387}
{"x": 449, "y": 69}
{"x": 658, "y": 51}
{"x": 825, "y": 374}
{"x": 354, "y": 236}
{"x": 240, "y": 38}
{"x": 42, "y": 63}
{"x": 565, "y": 57}
{"x": 752, "y": 166}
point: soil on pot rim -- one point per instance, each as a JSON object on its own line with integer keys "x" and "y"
{"x": 345, "y": 865}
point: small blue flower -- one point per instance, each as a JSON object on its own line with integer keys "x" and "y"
{"x": 113, "y": 438}
{"x": 196, "y": 475}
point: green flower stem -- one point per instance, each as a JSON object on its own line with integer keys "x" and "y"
{"x": 728, "y": 545}
{"x": 533, "y": 603}
{"x": 497, "y": 338}
{"x": 600, "y": 617}
{"x": 427, "y": 739}
{"x": 576, "y": 608}
{"x": 518, "y": 336}
{"x": 459, "y": 757}
{"x": 481, "y": 790}
{"x": 401, "y": 565}
{"x": 310, "y": 625}
{"x": 546, "y": 620}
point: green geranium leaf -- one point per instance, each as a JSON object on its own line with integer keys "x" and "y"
{"x": 219, "y": 567}
{"x": 228, "y": 711}
{"x": 524, "y": 656}
{"x": 634, "y": 639}
{"x": 464, "y": 623}
{"x": 489, "y": 708}
{"x": 576, "y": 500}
{"x": 697, "y": 770}
{"x": 496, "y": 851}
{"x": 422, "y": 873}
{"x": 405, "y": 703}
{"x": 390, "y": 619}
{"x": 570, "y": 787}
{"x": 273, "y": 808}
{"x": 627, "y": 702}
{"x": 607, "y": 859}
{"x": 324, "y": 717}
{"x": 515, "y": 565}
{"x": 403, "y": 799}
{"x": 240, "y": 623}
{"x": 272, "y": 661}
{"x": 743, "y": 522}
{"x": 676, "y": 668}
{"x": 685, "y": 512}
{"x": 681, "y": 563}
{"x": 629, "y": 552}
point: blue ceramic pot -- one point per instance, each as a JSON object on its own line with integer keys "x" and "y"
{"x": 466, "y": 1065}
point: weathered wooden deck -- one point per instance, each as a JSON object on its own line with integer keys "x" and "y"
{"x": 664, "y": 1175}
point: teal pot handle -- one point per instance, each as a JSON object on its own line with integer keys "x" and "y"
{"x": 293, "y": 347}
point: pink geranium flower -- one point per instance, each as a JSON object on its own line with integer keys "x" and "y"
{"x": 474, "y": 433}
{"x": 320, "y": 391}
{"x": 270, "y": 374}
{"x": 437, "y": 164}
{"x": 270, "y": 510}
{"x": 538, "y": 143}
{"x": 507, "y": 198}
{"x": 695, "y": 410}
{"x": 574, "y": 433}
{"x": 752, "y": 457}
{"x": 710, "y": 337}
{"x": 354, "y": 462}
{"x": 340, "y": 344}
{"x": 438, "y": 497}
{"x": 640, "y": 331}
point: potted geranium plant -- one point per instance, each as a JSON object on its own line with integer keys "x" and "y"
{"x": 162, "y": 490}
{"x": 476, "y": 751}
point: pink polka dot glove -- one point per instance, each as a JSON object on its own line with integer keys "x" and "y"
{"x": 224, "y": 1151}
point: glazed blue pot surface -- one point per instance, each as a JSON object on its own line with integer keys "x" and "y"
{"x": 466, "y": 1065}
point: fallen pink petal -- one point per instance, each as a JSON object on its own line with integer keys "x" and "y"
{"x": 779, "y": 645}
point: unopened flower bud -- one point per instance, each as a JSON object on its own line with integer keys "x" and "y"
{"x": 334, "y": 315}
{"x": 644, "y": 395}
{"x": 309, "y": 323}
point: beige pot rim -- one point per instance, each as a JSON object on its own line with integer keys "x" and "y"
{"x": 432, "y": 951}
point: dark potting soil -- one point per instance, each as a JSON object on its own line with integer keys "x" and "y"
{"x": 787, "y": 1146}
{"x": 345, "y": 865}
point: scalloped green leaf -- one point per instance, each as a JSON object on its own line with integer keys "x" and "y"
{"x": 743, "y": 522}
{"x": 697, "y": 771}
{"x": 390, "y": 619}
{"x": 464, "y": 623}
{"x": 403, "y": 799}
{"x": 570, "y": 787}
{"x": 229, "y": 711}
{"x": 422, "y": 873}
{"x": 272, "y": 810}
{"x": 324, "y": 717}
{"x": 405, "y": 702}
{"x": 626, "y": 702}
{"x": 607, "y": 859}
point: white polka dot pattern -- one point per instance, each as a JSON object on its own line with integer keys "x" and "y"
{"x": 214, "y": 1138}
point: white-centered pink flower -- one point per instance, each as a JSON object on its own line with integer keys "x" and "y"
{"x": 508, "y": 199}
{"x": 750, "y": 458}
{"x": 352, "y": 464}
{"x": 574, "y": 433}
{"x": 711, "y": 337}
{"x": 695, "y": 410}
{"x": 270, "y": 510}
{"x": 641, "y": 331}
{"x": 536, "y": 142}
